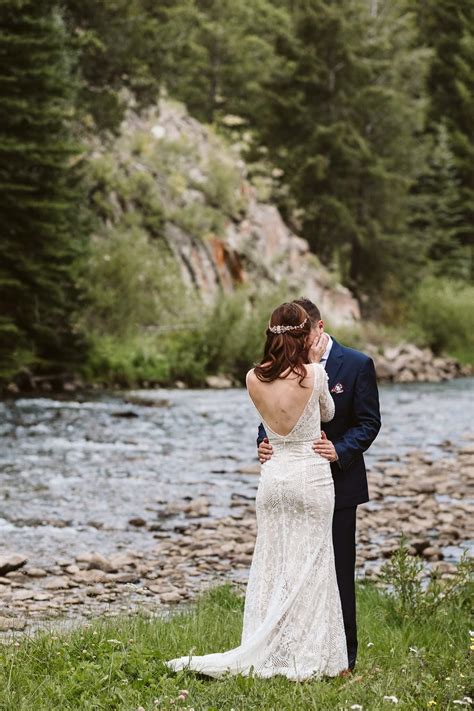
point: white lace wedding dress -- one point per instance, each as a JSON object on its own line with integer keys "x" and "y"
{"x": 292, "y": 619}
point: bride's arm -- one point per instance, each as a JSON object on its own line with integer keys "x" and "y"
{"x": 326, "y": 403}
{"x": 262, "y": 435}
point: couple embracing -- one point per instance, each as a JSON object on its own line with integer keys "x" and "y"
{"x": 319, "y": 406}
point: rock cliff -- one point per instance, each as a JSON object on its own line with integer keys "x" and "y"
{"x": 196, "y": 186}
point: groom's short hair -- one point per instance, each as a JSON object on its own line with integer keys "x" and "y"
{"x": 310, "y": 308}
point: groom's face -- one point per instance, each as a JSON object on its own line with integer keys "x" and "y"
{"x": 318, "y": 327}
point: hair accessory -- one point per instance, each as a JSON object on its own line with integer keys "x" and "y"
{"x": 284, "y": 329}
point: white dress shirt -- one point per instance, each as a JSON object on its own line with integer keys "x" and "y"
{"x": 325, "y": 357}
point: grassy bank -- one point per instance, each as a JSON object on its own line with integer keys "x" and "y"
{"x": 421, "y": 659}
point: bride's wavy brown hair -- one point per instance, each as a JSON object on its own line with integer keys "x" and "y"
{"x": 285, "y": 351}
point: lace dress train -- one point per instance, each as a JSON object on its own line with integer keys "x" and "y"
{"x": 292, "y": 618}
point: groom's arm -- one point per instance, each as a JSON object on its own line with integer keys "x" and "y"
{"x": 367, "y": 416}
{"x": 261, "y": 434}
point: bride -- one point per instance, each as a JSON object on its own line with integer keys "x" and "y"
{"x": 293, "y": 622}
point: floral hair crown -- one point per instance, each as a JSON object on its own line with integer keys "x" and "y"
{"x": 284, "y": 329}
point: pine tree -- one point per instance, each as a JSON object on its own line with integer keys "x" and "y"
{"x": 439, "y": 217}
{"x": 39, "y": 214}
{"x": 447, "y": 27}
{"x": 215, "y": 54}
{"x": 118, "y": 47}
{"x": 342, "y": 120}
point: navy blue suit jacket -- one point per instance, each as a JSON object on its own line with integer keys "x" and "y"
{"x": 356, "y": 422}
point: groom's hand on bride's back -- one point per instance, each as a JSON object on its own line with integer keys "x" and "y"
{"x": 265, "y": 451}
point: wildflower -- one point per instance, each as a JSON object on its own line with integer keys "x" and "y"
{"x": 114, "y": 641}
{"x": 432, "y": 702}
{"x": 393, "y": 699}
{"x": 357, "y": 706}
{"x": 184, "y": 692}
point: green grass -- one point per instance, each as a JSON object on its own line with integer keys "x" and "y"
{"x": 118, "y": 664}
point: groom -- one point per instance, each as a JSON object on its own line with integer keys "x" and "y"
{"x": 355, "y": 425}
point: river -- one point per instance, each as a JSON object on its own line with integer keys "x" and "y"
{"x": 73, "y": 472}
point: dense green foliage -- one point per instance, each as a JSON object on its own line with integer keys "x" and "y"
{"x": 342, "y": 120}
{"x": 447, "y": 26}
{"x": 41, "y": 232}
{"x": 444, "y": 313}
{"x": 421, "y": 659}
{"x": 361, "y": 112}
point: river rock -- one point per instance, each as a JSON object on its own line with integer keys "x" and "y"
{"x": 11, "y": 623}
{"x": 125, "y": 578}
{"x": 385, "y": 370}
{"x": 23, "y": 594}
{"x": 219, "y": 382}
{"x": 122, "y": 560}
{"x": 11, "y": 561}
{"x": 36, "y": 572}
{"x": 146, "y": 398}
{"x": 197, "y": 507}
{"x": 405, "y": 376}
{"x": 432, "y": 553}
{"x": 137, "y": 521}
{"x": 170, "y": 597}
{"x": 60, "y": 582}
{"x": 90, "y": 577}
{"x": 96, "y": 561}
{"x": 406, "y": 363}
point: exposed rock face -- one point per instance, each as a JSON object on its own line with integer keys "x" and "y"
{"x": 219, "y": 233}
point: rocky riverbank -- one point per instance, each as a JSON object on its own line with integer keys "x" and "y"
{"x": 429, "y": 500}
{"x": 406, "y": 363}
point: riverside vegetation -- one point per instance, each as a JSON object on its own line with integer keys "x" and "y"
{"x": 91, "y": 282}
{"x": 415, "y": 648}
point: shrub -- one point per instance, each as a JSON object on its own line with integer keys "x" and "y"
{"x": 130, "y": 283}
{"x": 412, "y": 596}
{"x": 126, "y": 361}
{"x": 444, "y": 311}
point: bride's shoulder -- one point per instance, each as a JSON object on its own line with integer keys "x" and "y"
{"x": 250, "y": 375}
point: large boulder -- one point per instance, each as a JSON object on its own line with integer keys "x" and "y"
{"x": 11, "y": 561}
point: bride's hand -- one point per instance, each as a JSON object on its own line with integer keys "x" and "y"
{"x": 318, "y": 348}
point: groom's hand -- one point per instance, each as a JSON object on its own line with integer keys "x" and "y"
{"x": 265, "y": 451}
{"x": 325, "y": 448}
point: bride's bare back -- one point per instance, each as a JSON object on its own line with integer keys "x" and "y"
{"x": 281, "y": 402}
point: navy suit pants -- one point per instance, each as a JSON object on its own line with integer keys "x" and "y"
{"x": 344, "y": 541}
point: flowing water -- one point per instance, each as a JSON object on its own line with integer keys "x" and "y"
{"x": 73, "y": 472}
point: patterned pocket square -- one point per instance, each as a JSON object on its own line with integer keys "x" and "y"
{"x": 337, "y": 389}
